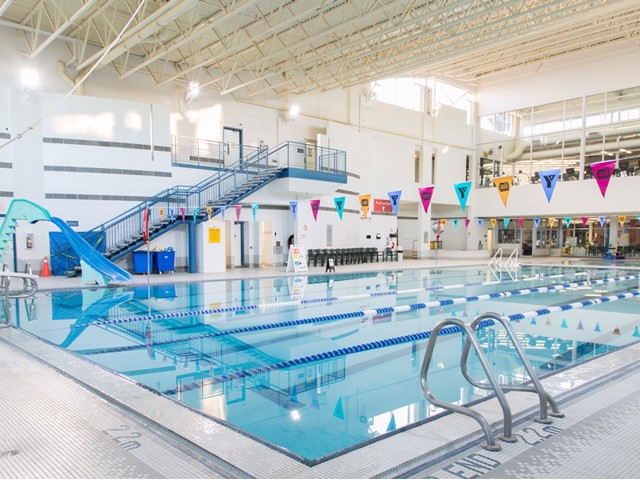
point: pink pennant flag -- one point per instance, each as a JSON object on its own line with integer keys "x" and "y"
{"x": 584, "y": 221}
{"x": 520, "y": 222}
{"x": 238, "y": 212}
{"x": 182, "y": 212}
{"x": 315, "y": 206}
{"x": 466, "y": 222}
{"x": 602, "y": 172}
{"x": 425, "y": 195}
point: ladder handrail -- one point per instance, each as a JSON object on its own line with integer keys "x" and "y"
{"x": 537, "y": 387}
{"x": 496, "y": 260}
{"x": 29, "y": 288}
{"x": 490, "y": 443}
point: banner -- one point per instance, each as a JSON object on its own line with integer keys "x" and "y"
{"x": 567, "y": 221}
{"x": 145, "y": 226}
{"x": 520, "y": 222}
{"x": 209, "y": 210}
{"x": 548, "y": 180}
{"x": 172, "y": 213}
{"x": 222, "y": 210}
{"x": 394, "y": 198}
{"x": 161, "y": 211}
{"x": 294, "y": 209}
{"x": 182, "y": 212}
{"x": 315, "y": 206}
{"x": 466, "y": 222}
{"x": 536, "y": 222}
{"x": 462, "y": 191}
{"x": 602, "y": 220}
{"x": 506, "y": 221}
{"x": 552, "y": 221}
{"x": 238, "y": 212}
{"x": 339, "y": 203}
{"x": 479, "y": 222}
{"x": 602, "y": 172}
{"x": 455, "y": 222}
{"x": 382, "y": 205}
{"x": 254, "y": 210}
{"x": 493, "y": 222}
{"x": 364, "y": 201}
{"x": 195, "y": 214}
{"x": 621, "y": 219}
{"x": 503, "y": 184}
{"x": 425, "y": 196}
{"x": 584, "y": 221}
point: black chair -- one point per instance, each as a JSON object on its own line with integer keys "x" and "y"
{"x": 311, "y": 256}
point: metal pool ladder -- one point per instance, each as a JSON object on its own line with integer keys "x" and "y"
{"x": 471, "y": 339}
{"x": 28, "y": 289}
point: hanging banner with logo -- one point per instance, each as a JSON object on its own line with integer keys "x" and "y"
{"x": 425, "y": 196}
{"x": 315, "y": 206}
{"x": 455, "y": 222}
{"x": 339, "y": 203}
{"x": 503, "y": 184}
{"x": 462, "y": 191}
{"x": 493, "y": 222}
{"x": 394, "y": 198}
{"x": 536, "y": 222}
{"x": 602, "y": 220}
{"x": 467, "y": 221}
{"x": 479, "y": 222}
{"x": 364, "y": 201}
{"x": 602, "y": 172}
{"x": 195, "y": 214}
{"x": 548, "y": 180}
{"x": 382, "y": 205}
{"x": 145, "y": 226}
{"x": 567, "y": 221}
{"x": 520, "y": 222}
{"x": 552, "y": 221}
{"x": 172, "y": 213}
{"x": 161, "y": 211}
{"x": 209, "y": 210}
{"x": 621, "y": 219}
{"x": 238, "y": 212}
{"x": 506, "y": 221}
{"x": 183, "y": 211}
{"x": 254, "y": 210}
{"x": 222, "y": 210}
{"x": 294, "y": 209}
{"x": 584, "y": 221}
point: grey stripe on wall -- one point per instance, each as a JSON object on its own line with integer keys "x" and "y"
{"x": 6, "y": 194}
{"x": 5, "y": 135}
{"x": 100, "y": 143}
{"x": 80, "y": 196}
{"x": 113, "y": 171}
{"x": 6, "y": 165}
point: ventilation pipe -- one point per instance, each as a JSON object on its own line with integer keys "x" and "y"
{"x": 71, "y": 82}
{"x": 517, "y": 151}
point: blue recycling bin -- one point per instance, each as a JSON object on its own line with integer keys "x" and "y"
{"x": 140, "y": 264}
{"x": 164, "y": 261}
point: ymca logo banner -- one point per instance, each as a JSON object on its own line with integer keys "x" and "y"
{"x": 584, "y": 221}
{"x": 602, "y": 172}
{"x": 315, "y": 206}
{"x": 479, "y": 222}
{"x": 536, "y": 222}
{"x": 520, "y": 222}
{"x": 548, "y": 180}
{"x": 506, "y": 221}
{"x": 238, "y": 212}
{"x": 602, "y": 220}
{"x": 339, "y": 203}
{"x": 294, "y": 209}
{"x": 493, "y": 222}
{"x": 567, "y": 221}
{"x": 394, "y": 198}
{"x": 425, "y": 196}
{"x": 365, "y": 201}
{"x": 621, "y": 219}
{"x": 503, "y": 184}
{"x": 222, "y": 210}
{"x": 254, "y": 210}
{"x": 466, "y": 222}
{"x": 462, "y": 191}
{"x": 455, "y": 222}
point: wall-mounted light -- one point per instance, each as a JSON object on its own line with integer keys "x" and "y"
{"x": 294, "y": 110}
{"x": 193, "y": 90}
{"x": 29, "y": 78}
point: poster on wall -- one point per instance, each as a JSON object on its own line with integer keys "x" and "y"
{"x": 382, "y": 205}
{"x": 214, "y": 235}
{"x": 297, "y": 261}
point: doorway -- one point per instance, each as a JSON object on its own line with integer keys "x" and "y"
{"x": 527, "y": 242}
{"x": 309, "y": 154}
{"x": 232, "y": 145}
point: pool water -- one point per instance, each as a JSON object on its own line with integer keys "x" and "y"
{"x": 208, "y": 344}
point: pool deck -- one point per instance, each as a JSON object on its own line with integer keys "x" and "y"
{"x": 61, "y": 419}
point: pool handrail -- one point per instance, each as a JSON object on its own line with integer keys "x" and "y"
{"x": 491, "y": 444}
{"x": 29, "y": 288}
{"x": 536, "y": 386}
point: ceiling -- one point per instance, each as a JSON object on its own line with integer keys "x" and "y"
{"x": 248, "y": 47}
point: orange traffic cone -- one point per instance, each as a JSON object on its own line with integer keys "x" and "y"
{"x": 45, "y": 269}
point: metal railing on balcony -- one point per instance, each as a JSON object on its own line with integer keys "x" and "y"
{"x": 187, "y": 151}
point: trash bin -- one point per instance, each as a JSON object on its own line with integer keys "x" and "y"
{"x": 400, "y": 254}
{"x": 165, "y": 261}
{"x": 140, "y": 264}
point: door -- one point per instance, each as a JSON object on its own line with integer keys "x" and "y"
{"x": 309, "y": 154}
{"x": 232, "y": 148}
{"x": 527, "y": 242}
{"x": 238, "y": 245}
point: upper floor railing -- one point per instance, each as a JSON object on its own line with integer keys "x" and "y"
{"x": 207, "y": 153}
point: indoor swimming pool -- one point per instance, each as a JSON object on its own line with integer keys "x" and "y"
{"x": 317, "y": 365}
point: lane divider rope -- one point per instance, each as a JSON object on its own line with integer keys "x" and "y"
{"x": 251, "y": 372}
{"x": 362, "y": 313}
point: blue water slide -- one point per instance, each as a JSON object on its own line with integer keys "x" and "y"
{"x": 95, "y": 266}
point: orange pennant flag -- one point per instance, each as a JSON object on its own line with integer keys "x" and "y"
{"x": 493, "y": 222}
{"x": 364, "y": 201}
{"x": 503, "y": 184}
{"x": 621, "y": 219}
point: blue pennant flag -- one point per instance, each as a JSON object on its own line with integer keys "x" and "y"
{"x": 462, "y": 191}
{"x": 254, "y": 210}
{"x": 636, "y": 332}
{"x": 394, "y": 198}
{"x": 536, "y": 222}
{"x": 339, "y": 203}
{"x": 222, "y": 210}
{"x": 172, "y": 213}
{"x": 602, "y": 220}
{"x": 392, "y": 424}
{"x": 597, "y": 329}
{"x": 195, "y": 213}
{"x": 567, "y": 221}
{"x": 564, "y": 323}
{"x": 294, "y": 209}
{"x": 479, "y": 222}
{"x": 506, "y": 222}
{"x": 548, "y": 180}
{"x": 455, "y": 222}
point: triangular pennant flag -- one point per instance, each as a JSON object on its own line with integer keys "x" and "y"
{"x": 392, "y": 424}
{"x": 294, "y": 209}
{"x": 466, "y": 222}
{"x": 161, "y": 213}
{"x": 315, "y": 206}
{"x": 520, "y": 222}
{"x": 548, "y": 180}
{"x": 455, "y": 222}
{"x": 195, "y": 213}
{"x": 621, "y": 219}
{"x": 552, "y": 221}
{"x": 584, "y": 221}
{"x": 503, "y": 184}
{"x": 222, "y": 210}
{"x": 172, "y": 213}
{"x": 209, "y": 210}
{"x": 479, "y": 222}
{"x": 463, "y": 189}
{"x": 567, "y": 221}
{"x": 443, "y": 222}
{"x": 602, "y": 172}
{"x": 580, "y": 326}
{"x": 238, "y": 212}
{"x": 493, "y": 222}
{"x": 338, "y": 411}
{"x": 183, "y": 212}
{"x": 533, "y": 322}
{"x": 364, "y": 201}
{"x": 536, "y": 222}
{"x": 339, "y": 203}
{"x": 602, "y": 220}
{"x": 254, "y": 210}
{"x": 636, "y": 332}
{"x": 394, "y": 198}
{"x": 425, "y": 196}
{"x": 564, "y": 323}
{"x": 597, "y": 329}
{"x": 506, "y": 221}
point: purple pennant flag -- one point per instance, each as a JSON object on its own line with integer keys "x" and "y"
{"x": 294, "y": 209}
{"x": 602, "y": 172}
{"x": 425, "y": 195}
{"x": 394, "y": 198}
{"x": 315, "y": 206}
